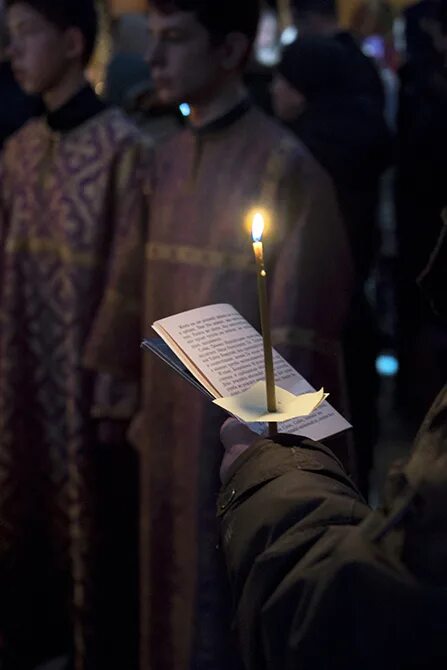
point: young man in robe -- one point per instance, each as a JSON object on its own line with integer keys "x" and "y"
{"x": 70, "y": 181}
{"x": 231, "y": 159}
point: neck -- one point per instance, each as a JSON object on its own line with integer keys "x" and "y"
{"x": 61, "y": 93}
{"x": 224, "y": 101}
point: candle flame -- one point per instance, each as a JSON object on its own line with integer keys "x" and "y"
{"x": 258, "y": 227}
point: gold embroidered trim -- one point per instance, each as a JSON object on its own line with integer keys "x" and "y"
{"x": 54, "y": 140}
{"x": 207, "y": 258}
{"x": 38, "y": 246}
{"x": 306, "y": 338}
{"x": 125, "y": 169}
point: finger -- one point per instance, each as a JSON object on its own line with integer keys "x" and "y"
{"x": 233, "y": 433}
{"x": 227, "y": 427}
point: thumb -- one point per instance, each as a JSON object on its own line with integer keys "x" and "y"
{"x": 236, "y": 434}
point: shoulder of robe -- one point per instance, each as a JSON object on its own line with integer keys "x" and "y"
{"x": 122, "y": 128}
{"x": 129, "y": 145}
{"x": 281, "y": 137}
{"x": 22, "y": 141}
{"x": 295, "y": 158}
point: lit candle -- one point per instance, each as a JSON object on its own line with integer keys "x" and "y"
{"x": 257, "y": 232}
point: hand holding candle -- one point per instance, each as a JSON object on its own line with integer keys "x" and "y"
{"x": 257, "y": 232}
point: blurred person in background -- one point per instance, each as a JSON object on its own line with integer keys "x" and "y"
{"x": 129, "y": 84}
{"x": 70, "y": 182}
{"x": 420, "y": 195}
{"x": 129, "y": 34}
{"x": 127, "y": 75}
{"x": 315, "y": 96}
{"x": 418, "y": 21}
{"x": 319, "y": 18}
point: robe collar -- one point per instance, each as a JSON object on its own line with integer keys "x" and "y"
{"x": 79, "y": 109}
{"x": 224, "y": 121}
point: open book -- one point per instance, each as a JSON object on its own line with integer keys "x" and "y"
{"x": 222, "y": 355}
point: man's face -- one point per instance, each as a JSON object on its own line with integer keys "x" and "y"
{"x": 37, "y": 49}
{"x": 185, "y": 66}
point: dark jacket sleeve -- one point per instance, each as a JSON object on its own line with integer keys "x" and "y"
{"x": 318, "y": 578}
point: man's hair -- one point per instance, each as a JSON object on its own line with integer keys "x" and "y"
{"x": 322, "y": 7}
{"x": 219, "y": 17}
{"x": 65, "y": 14}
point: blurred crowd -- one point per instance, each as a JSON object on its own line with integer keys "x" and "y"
{"x": 359, "y": 119}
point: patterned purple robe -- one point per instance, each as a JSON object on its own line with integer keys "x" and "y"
{"x": 199, "y": 252}
{"x": 66, "y": 201}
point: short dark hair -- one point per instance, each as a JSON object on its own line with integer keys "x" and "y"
{"x": 219, "y": 17}
{"x": 317, "y": 67}
{"x": 67, "y": 14}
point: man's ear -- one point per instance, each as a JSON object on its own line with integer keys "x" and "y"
{"x": 235, "y": 51}
{"x": 74, "y": 44}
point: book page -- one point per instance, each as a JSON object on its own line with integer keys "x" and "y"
{"x": 227, "y": 350}
{"x": 221, "y": 348}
